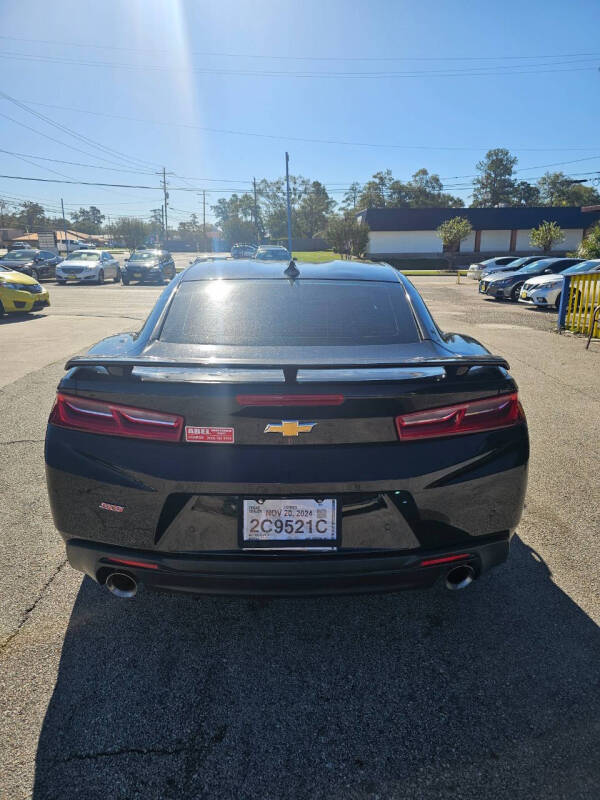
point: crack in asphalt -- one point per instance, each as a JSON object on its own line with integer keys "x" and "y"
{"x": 28, "y": 611}
{"x": 189, "y": 748}
{"x": 124, "y": 751}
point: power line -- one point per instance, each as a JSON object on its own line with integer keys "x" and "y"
{"x": 271, "y": 56}
{"x": 480, "y": 71}
{"x": 70, "y": 132}
{"x": 51, "y": 138}
{"x": 285, "y": 138}
{"x": 78, "y": 163}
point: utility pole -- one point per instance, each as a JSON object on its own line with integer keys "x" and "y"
{"x": 62, "y": 206}
{"x": 256, "y": 212}
{"x": 166, "y": 198}
{"x": 289, "y": 208}
{"x": 204, "y": 219}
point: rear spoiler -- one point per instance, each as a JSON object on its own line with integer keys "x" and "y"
{"x": 123, "y": 366}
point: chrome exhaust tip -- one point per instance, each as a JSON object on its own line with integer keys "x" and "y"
{"x": 121, "y": 584}
{"x": 460, "y": 577}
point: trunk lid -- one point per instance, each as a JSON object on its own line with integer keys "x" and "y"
{"x": 288, "y": 395}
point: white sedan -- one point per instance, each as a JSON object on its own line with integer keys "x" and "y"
{"x": 489, "y": 265}
{"x": 544, "y": 291}
{"x": 88, "y": 266}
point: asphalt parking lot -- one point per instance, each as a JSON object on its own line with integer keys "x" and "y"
{"x": 492, "y": 692}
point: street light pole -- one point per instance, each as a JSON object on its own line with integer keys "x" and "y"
{"x": 62, "y": 206}
{"x": 256, "y": 212}
{"x": 289, "y": 208}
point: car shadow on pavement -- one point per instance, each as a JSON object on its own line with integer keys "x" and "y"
{"x": 488, "y": 692}
{"x": 7, "y": 319}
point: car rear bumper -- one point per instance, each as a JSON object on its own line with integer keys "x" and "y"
{"x": 182, "y": 505}
{"x": 280, "y": 574}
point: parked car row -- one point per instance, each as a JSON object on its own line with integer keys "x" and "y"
{"x": 22, "y": 270}
{"x": 265, "y": 252}
{"x": 534, "y": 280}
{"x": 91, "y": 266}
{"x": 38, "y": 264}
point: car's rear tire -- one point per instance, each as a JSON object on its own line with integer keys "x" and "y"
{"x": 2, "y": 312}
{"x": 35, "y": 275}
{"x": 100, "y": 280}
{"x": 117, "y": 278}
{"x": 124, "y": 280}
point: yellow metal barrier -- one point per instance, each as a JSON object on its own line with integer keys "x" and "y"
{"x": 584, "y": 296}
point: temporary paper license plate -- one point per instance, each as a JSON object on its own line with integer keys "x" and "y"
{"x": 298, "y": 522}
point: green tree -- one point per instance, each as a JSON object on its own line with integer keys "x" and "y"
{"x": 240, "y": 206}
{"x": 156, "y": 219}
{"x": 238, "y": 230}
{"x": 590, "y": 246}
{"x": 557, "y": 189}
{"x": 495, "y": 184}
{"x": 351, "y": 197}
{"x": 374, "y": 192}
{"x": 313, "y": 209}
{"x": 274, "y": 204}
{"x": 553, "y": 187}
{"x": 130, "y": 231}
{"x": 347, "y": 235}
{"x": 88, "y": 220}
{"x": 546, "y": 235}
{"x": 423, "y": 190}
{"x": 31, "y": 216}
{"x": 526, "y": 194}
{"x": 452, "y": 232}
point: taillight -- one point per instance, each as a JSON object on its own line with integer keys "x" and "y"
{"x": 476, "y": 415}
{"x": 266, "y": 400}
{"x": 99, "y": 416}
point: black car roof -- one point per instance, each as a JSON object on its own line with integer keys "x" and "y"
{"x": 249, "y": 269}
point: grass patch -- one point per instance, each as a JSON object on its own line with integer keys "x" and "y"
{"x": 426, "y": 264}
{"x": 316, "y": 256}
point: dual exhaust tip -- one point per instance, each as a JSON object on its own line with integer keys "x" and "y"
{"x": 460, "y": 577}
{"x": 123, "y": 585}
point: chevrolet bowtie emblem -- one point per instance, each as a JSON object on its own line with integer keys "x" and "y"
{"x": 290, "y": 427}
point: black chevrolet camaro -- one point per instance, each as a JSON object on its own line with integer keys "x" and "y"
{"x": 280, "y": 429}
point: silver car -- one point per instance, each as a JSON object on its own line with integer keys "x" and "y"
{"x": 88, "y": 266}
{"x": 489, "y": 265}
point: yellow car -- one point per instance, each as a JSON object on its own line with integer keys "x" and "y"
{"x": 20, "y": 293}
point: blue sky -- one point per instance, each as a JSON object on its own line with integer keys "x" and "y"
{"x": 192, "y": 70}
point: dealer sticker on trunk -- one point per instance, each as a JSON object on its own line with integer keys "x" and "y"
{"x": 194, "y": 433}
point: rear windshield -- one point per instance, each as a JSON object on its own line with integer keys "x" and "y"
{"x": 275, "y": 313}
